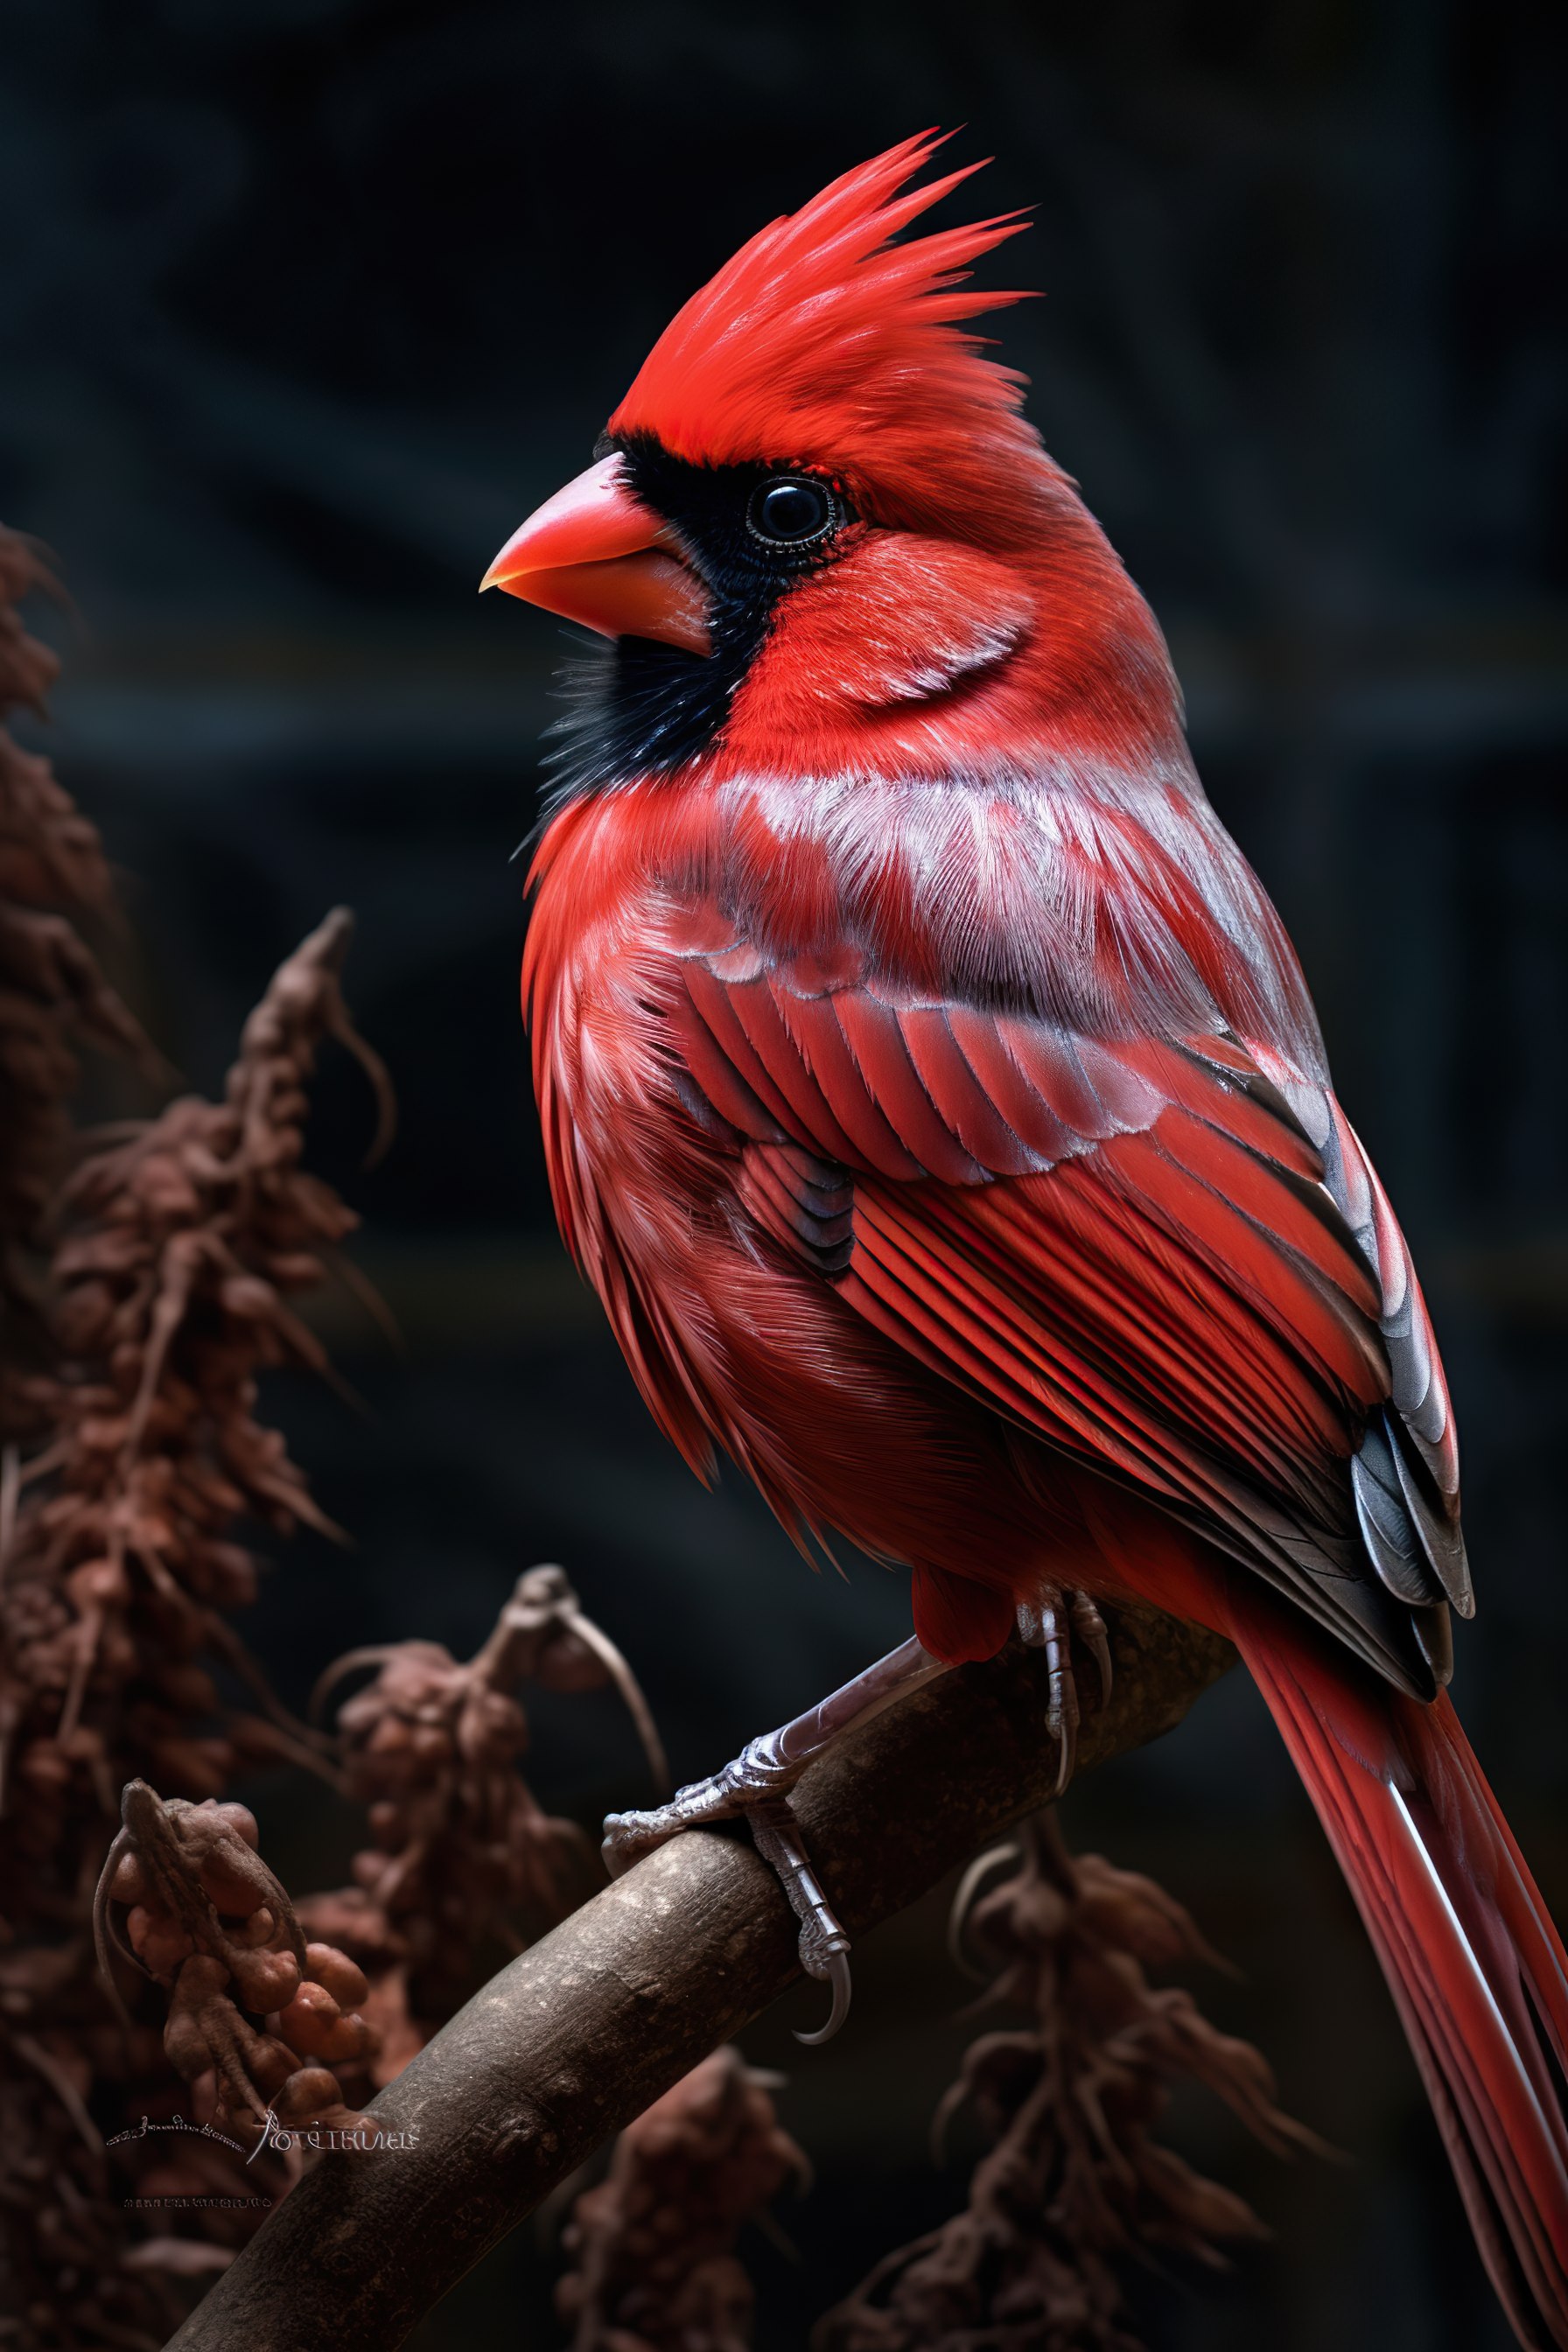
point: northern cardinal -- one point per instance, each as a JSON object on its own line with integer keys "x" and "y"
{"x": 935, "y": 1100}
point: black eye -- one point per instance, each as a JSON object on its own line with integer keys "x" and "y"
{"x": 791, "y": 511}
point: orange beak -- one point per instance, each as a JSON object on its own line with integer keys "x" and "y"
{"x": 595, "y": 555}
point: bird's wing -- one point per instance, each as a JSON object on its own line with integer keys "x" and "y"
{"x": 1171, "y": 1262}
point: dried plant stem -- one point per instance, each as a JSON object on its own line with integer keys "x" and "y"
{"x": 584, "y": 2030}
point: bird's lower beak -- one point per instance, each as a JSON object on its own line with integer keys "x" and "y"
{"x": 594, "y": 554}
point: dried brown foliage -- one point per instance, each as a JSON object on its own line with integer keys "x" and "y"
{"x": 182, "y": 1240}
{"x": 463, "y": 1859}
{"x": 654, "y": 2267}
{"x": 175, "y": 1247}
{"x": 53, "y": 996}
{"x": 1074, "y": 2177}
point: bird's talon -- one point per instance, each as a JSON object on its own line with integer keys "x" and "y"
{"x": 838, "y": 1976}
{"x": 1066, "y": 1756}
{"x": 1089, "y": 1627}
{"x": 1053, "y": 1623}
{"x": 823, "y": 1946}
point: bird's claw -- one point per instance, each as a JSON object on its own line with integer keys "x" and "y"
{"x": 838, "y": 1977}
{"x": 823, "y": 1946}
{"x": 1051, "y": 1623}
{"x": 1088, "y": 1626}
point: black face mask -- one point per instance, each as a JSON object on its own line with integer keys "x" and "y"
{"x": 749, "y": 532}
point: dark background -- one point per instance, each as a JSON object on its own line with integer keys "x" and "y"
{"x": 307, "y": 303}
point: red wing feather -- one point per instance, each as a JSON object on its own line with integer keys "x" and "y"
{"x": 1126, "y": 1244}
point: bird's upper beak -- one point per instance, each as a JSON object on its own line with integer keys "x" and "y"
{"x": 594, "y": 554}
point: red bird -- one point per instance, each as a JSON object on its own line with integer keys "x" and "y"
{"x": 935, "y": 1101}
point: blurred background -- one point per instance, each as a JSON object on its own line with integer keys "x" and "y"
{"x": 307, "y": 303}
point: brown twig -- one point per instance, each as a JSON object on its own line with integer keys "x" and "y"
{"x": 582, "y": 2032}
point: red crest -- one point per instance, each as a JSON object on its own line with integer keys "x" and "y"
{"x": 825, "y": 341}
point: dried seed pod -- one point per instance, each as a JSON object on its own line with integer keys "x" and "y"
{"x": 266, "y": 1980}
{"x": 307, "y": 2093}
{"x": 181, "y": 1245}
{"x": 349, "y": 2041}
{"x": 306, "y": 2023}
{"x": 341, "y": 1977}
{"x": 158, "y": 1941}
{"x": 128, "y": 1880}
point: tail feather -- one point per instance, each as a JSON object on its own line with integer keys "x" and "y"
{"x": 1476, "y": 1966}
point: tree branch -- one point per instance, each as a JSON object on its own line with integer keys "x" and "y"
{"x": 582, "y": 2031}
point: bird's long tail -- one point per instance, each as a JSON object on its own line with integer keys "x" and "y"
{"x": 1474, "y": 1962}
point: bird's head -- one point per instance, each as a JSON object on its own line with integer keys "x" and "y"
{"x": 819, "y": 530}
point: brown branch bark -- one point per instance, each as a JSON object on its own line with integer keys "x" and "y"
{"x": 577, "y": 2036}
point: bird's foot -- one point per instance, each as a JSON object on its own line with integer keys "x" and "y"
{"x": 760, "y": 1774}
{"x": 754, "y": 1789}
{"x": 1052, "y": 1622}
